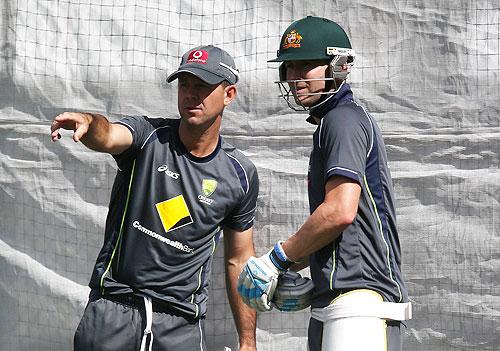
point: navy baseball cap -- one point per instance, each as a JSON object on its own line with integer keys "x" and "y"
{"x": 209, "y": 63}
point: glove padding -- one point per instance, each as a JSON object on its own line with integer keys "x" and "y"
{"x": 293, "y": 292}
{"x": 257, "y": 282}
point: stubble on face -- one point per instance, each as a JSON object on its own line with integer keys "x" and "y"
{"x": 199, "y": 103}
{"x": 306, "y": 90}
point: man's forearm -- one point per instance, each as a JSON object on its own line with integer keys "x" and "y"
{"x": 312, "y": 236}
{"x": 98, "y": 133}
{"x": 244, "y": 317}
{"x": 327, "y": 222}
{"x": 93, "y": 130}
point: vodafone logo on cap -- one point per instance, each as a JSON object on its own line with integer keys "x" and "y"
{"x": 198, "y": 56}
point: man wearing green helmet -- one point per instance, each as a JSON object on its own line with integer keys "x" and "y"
{"x": 326, "y": 59}
{"x": 350, "y": 240}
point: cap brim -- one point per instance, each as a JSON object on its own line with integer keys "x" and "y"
{"x": 295, "y": 57}
{"x": 277, "y": 59}
{"x": 207, "y": 77}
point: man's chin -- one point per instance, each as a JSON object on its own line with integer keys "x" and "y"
{"x": 190, "y": 113}
{"x": 305, "y": 101}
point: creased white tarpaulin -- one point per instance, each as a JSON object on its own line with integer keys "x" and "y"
{"x": 35, "y": 300}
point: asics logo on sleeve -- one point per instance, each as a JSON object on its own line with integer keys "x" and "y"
{"x": 168, "y": 172}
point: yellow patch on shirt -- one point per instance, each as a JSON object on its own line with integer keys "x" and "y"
{"x": 174, "y": 213}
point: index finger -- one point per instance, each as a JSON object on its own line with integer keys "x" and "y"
{"x": 54, "y": 131}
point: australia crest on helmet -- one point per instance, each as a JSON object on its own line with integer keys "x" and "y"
{"x": 292, "y": 40}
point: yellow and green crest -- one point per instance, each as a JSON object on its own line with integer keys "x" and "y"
{"x": 208, "y": 186}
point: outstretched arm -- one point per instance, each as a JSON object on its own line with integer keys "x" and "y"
{"x": 238, "y": 247}
{"x": 94, "y": 131}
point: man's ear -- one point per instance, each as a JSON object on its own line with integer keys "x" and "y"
{"x": 230, "y": 93}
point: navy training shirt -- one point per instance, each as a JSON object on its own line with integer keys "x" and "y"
{"x": 166, "y": 211}
{"x": 367, "y": 254}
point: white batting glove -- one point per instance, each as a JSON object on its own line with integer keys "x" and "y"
{"x": 258, "y": 280}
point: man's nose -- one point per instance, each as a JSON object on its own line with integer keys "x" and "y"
{"x": 190, "y": 93}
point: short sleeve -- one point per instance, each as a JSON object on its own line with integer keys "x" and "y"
{"x": 243, "y": 215}
{"x": 344, "y": 141}
{"x": 141, "y": 128}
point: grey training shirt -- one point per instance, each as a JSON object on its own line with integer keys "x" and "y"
{"x": 367, "y": 254}
{"x": 166, "y": 212}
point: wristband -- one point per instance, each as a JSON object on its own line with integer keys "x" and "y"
{"x": 279, "y": 258}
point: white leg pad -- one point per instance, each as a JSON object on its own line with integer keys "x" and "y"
{"x": 356, "y": 321}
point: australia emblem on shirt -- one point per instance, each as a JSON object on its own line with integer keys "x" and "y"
{"x": 208, "y": 187}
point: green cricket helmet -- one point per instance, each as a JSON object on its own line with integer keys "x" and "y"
{"x": 314, "y": 38}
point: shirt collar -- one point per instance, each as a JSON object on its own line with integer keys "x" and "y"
{"x": 330, "y": 102}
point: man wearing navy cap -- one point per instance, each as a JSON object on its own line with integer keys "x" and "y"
{"x": 178, "y": 185}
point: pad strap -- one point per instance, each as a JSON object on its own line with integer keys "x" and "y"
{"x": 383, "y": 310}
